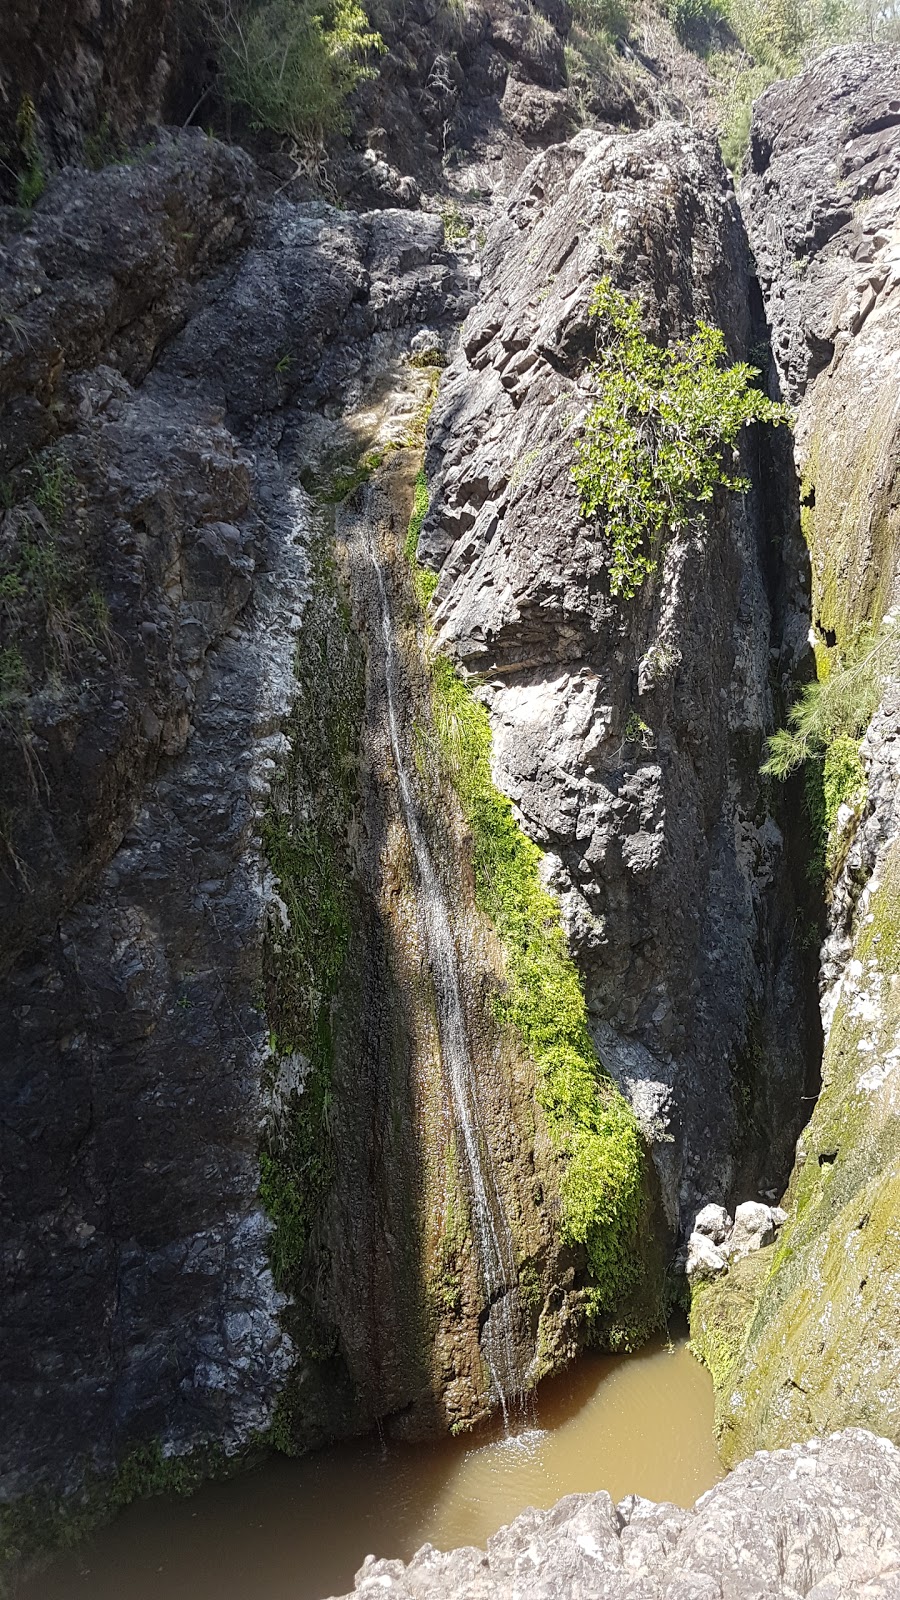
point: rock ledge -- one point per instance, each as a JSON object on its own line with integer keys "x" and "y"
{"x": 821, "y": 1520}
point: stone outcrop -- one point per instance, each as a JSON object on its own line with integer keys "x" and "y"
{"x": 716, "y": 1242}
{"x": 821, "y": 1520}
{"x": 807, "y": 1339}
{"x": 629, "y": 734}
{"x": 165, "y": 621}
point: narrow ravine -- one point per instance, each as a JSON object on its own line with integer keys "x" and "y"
{"x": 491, "y": 1230}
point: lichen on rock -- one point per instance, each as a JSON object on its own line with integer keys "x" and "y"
{"x": 818, "y": 1349}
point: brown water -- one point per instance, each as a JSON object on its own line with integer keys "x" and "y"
{"x": 298, "y": 1530}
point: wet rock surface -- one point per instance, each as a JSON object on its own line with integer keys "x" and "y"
{"x": 628, "y": 735}
{"x": 139, "y": 1303}
{"x": 821, "y": 1520}
{"x": 817, "y": 1348}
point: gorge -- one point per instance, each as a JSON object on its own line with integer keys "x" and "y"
{"x": 408, "y": 932}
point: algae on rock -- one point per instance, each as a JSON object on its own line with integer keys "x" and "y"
{"x": 820, "y": 1345}
{"x": 822, "y": 1349}
{"x": 605, "y": 1189}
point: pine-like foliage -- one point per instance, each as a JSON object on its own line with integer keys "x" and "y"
{"x": 840, "y": 705}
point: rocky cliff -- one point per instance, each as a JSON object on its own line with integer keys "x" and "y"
{"x": 367, "y": 919}
{"x": 821, "y": 1520}
{"x": 180, "y": 777}
{"x": 821, "y": 198}
{"x": 629, "y": 733}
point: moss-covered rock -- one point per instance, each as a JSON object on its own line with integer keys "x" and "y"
{"x": 822, "y": 1348}
{"x": 720, "y": 1314}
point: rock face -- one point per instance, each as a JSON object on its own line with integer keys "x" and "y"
{"x": 86, "y": 68}
{"x": 160, "y": 566}
{"x": 821, "y": 1520}
{"x": 820, "y": 198}
{"x": 629, "y": 734}
{"x": 231, "y": 1206}
{"x": 815, "y": 1344}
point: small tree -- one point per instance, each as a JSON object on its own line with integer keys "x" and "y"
{"x": 293, "y": 63}
{"x": 654, "y": 443}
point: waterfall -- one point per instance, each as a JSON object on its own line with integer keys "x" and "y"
{"x": 492, "y": 1234}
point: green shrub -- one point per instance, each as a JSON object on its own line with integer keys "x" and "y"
{"x": 32, "y": 180}
{"x": 12, "y": 676}
{"x": 456, "y": 226}
{"x": 824, "y": 727}
{"x": 292, "y": 63}
{"x": 694, "y": 19}
{"x": 839, "y": 705}
{"x": 652, "y": 450}
{"x": 602, "y": 19}
{"x": 47, "y": 604}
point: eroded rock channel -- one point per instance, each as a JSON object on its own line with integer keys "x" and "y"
{"x": 410, "y": 951}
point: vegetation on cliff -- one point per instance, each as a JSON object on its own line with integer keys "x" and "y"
{"x": 659, "y": 436}
{"x": 591, "y": 1124}
{"x": 293, "y": 63}
{"x": 825, "y": 725}
{"x": 304, "y": 837}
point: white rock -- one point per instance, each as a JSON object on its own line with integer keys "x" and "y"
{"x": 715, "y": 1222}
{"x": 704, "y": 1259}
{"x": 753, "y": 1228}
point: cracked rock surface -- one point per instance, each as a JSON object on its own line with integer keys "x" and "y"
{"x": 628, "y": 735}
{"x": 821, "y": 1521}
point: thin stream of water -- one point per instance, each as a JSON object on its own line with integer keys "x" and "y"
{"x": 493, "y": 1237}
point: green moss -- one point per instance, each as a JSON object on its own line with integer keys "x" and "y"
{"x": 418, "y": 427}
{"x": 424, "y": 582}
{"x": 822, "y": 1349}
{"x": 721, "y": 1312}
{"x": 879, "y": 939}
{"x": 591, "y": 1125}
{"x": 843, "y": 783}
{"x": 305, "y": 839}
{"x": 851, "y": 524}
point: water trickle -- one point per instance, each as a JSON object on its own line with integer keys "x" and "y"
{"x": 493, "y": 1237}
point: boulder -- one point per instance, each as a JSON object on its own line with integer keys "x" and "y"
{"x": 704, "y": 1259}
{"x": 754, "y": 1226}
{"x": 821, "y": 1520}
{"x": 715, "y": 1222}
